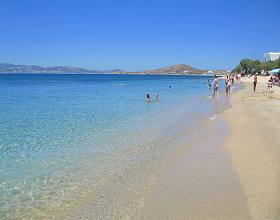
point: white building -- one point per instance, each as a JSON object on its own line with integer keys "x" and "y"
{"x": 271, "y": 56}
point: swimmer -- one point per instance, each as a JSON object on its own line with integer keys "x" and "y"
{"x": 157, "y": 98}
{"x": 209, "y": 84}
{"x": 148, "y": 99}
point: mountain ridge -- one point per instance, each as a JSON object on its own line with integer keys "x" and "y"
{"x": 8, "y": 68}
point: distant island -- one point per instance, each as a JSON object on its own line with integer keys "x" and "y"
{"x": 178, "y": 69}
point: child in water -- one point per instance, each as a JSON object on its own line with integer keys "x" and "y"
{"x": 209, "y": 84}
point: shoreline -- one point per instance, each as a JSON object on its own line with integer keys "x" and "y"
{"x": 245, "y": 185}
{"x": 226, "y": 168}
{"x": 196, "y": 137}
{"x": 171, "y": 151}
{"x": 253, "y": 145}
{"x": 200, "y": 184}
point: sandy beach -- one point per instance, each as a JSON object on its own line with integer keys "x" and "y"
{"x": 254, "y": 148}
{"x": 238, "y": 178}
{"x": 201, "y": 184}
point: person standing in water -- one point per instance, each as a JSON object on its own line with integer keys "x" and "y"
{"x": 255, "y": 82}
{"x": 157, "y": 98}
{"x": 216, "y": 87}
{"x": 226, "y": 81}
{"x": 227, "y": 84}
{"x": 148, "y": 99}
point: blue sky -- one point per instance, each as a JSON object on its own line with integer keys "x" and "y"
{"x": 137, "y": 35}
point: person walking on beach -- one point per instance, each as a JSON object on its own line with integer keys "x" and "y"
{"x": 216, "y": 87}
{"x": 255, "y": 82}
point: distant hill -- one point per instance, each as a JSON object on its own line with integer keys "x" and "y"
{"x": 176, "y": 69}
{"x": 12, "y": 68}
{"x": 7, "y": 68}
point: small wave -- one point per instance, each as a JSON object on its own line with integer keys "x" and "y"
{"x": 213, "y": 117}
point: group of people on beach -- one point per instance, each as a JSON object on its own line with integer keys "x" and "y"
{"x": 273, "y": 81}
{"x": 229, "y": 81}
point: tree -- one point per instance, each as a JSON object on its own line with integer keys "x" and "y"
{"x": 277, "y": 63}
{"x": 237, "y": 69}
{"x": 255, "y": 66}
{"x": 269, "y": 65}
{"x": 246, "y": 65}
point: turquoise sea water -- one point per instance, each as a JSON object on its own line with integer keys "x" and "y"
{"x": 69, "y": 139}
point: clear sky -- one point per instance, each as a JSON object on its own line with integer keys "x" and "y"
{"x": 137, "y": 35}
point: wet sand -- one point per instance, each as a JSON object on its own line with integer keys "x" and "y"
{"x": 201, "y": 184}
{"x": 254, "y": 146}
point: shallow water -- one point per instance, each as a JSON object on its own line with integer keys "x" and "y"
{"x": 68, "y": 139}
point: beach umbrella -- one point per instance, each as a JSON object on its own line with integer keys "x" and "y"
{"x": 275, "y": 71}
